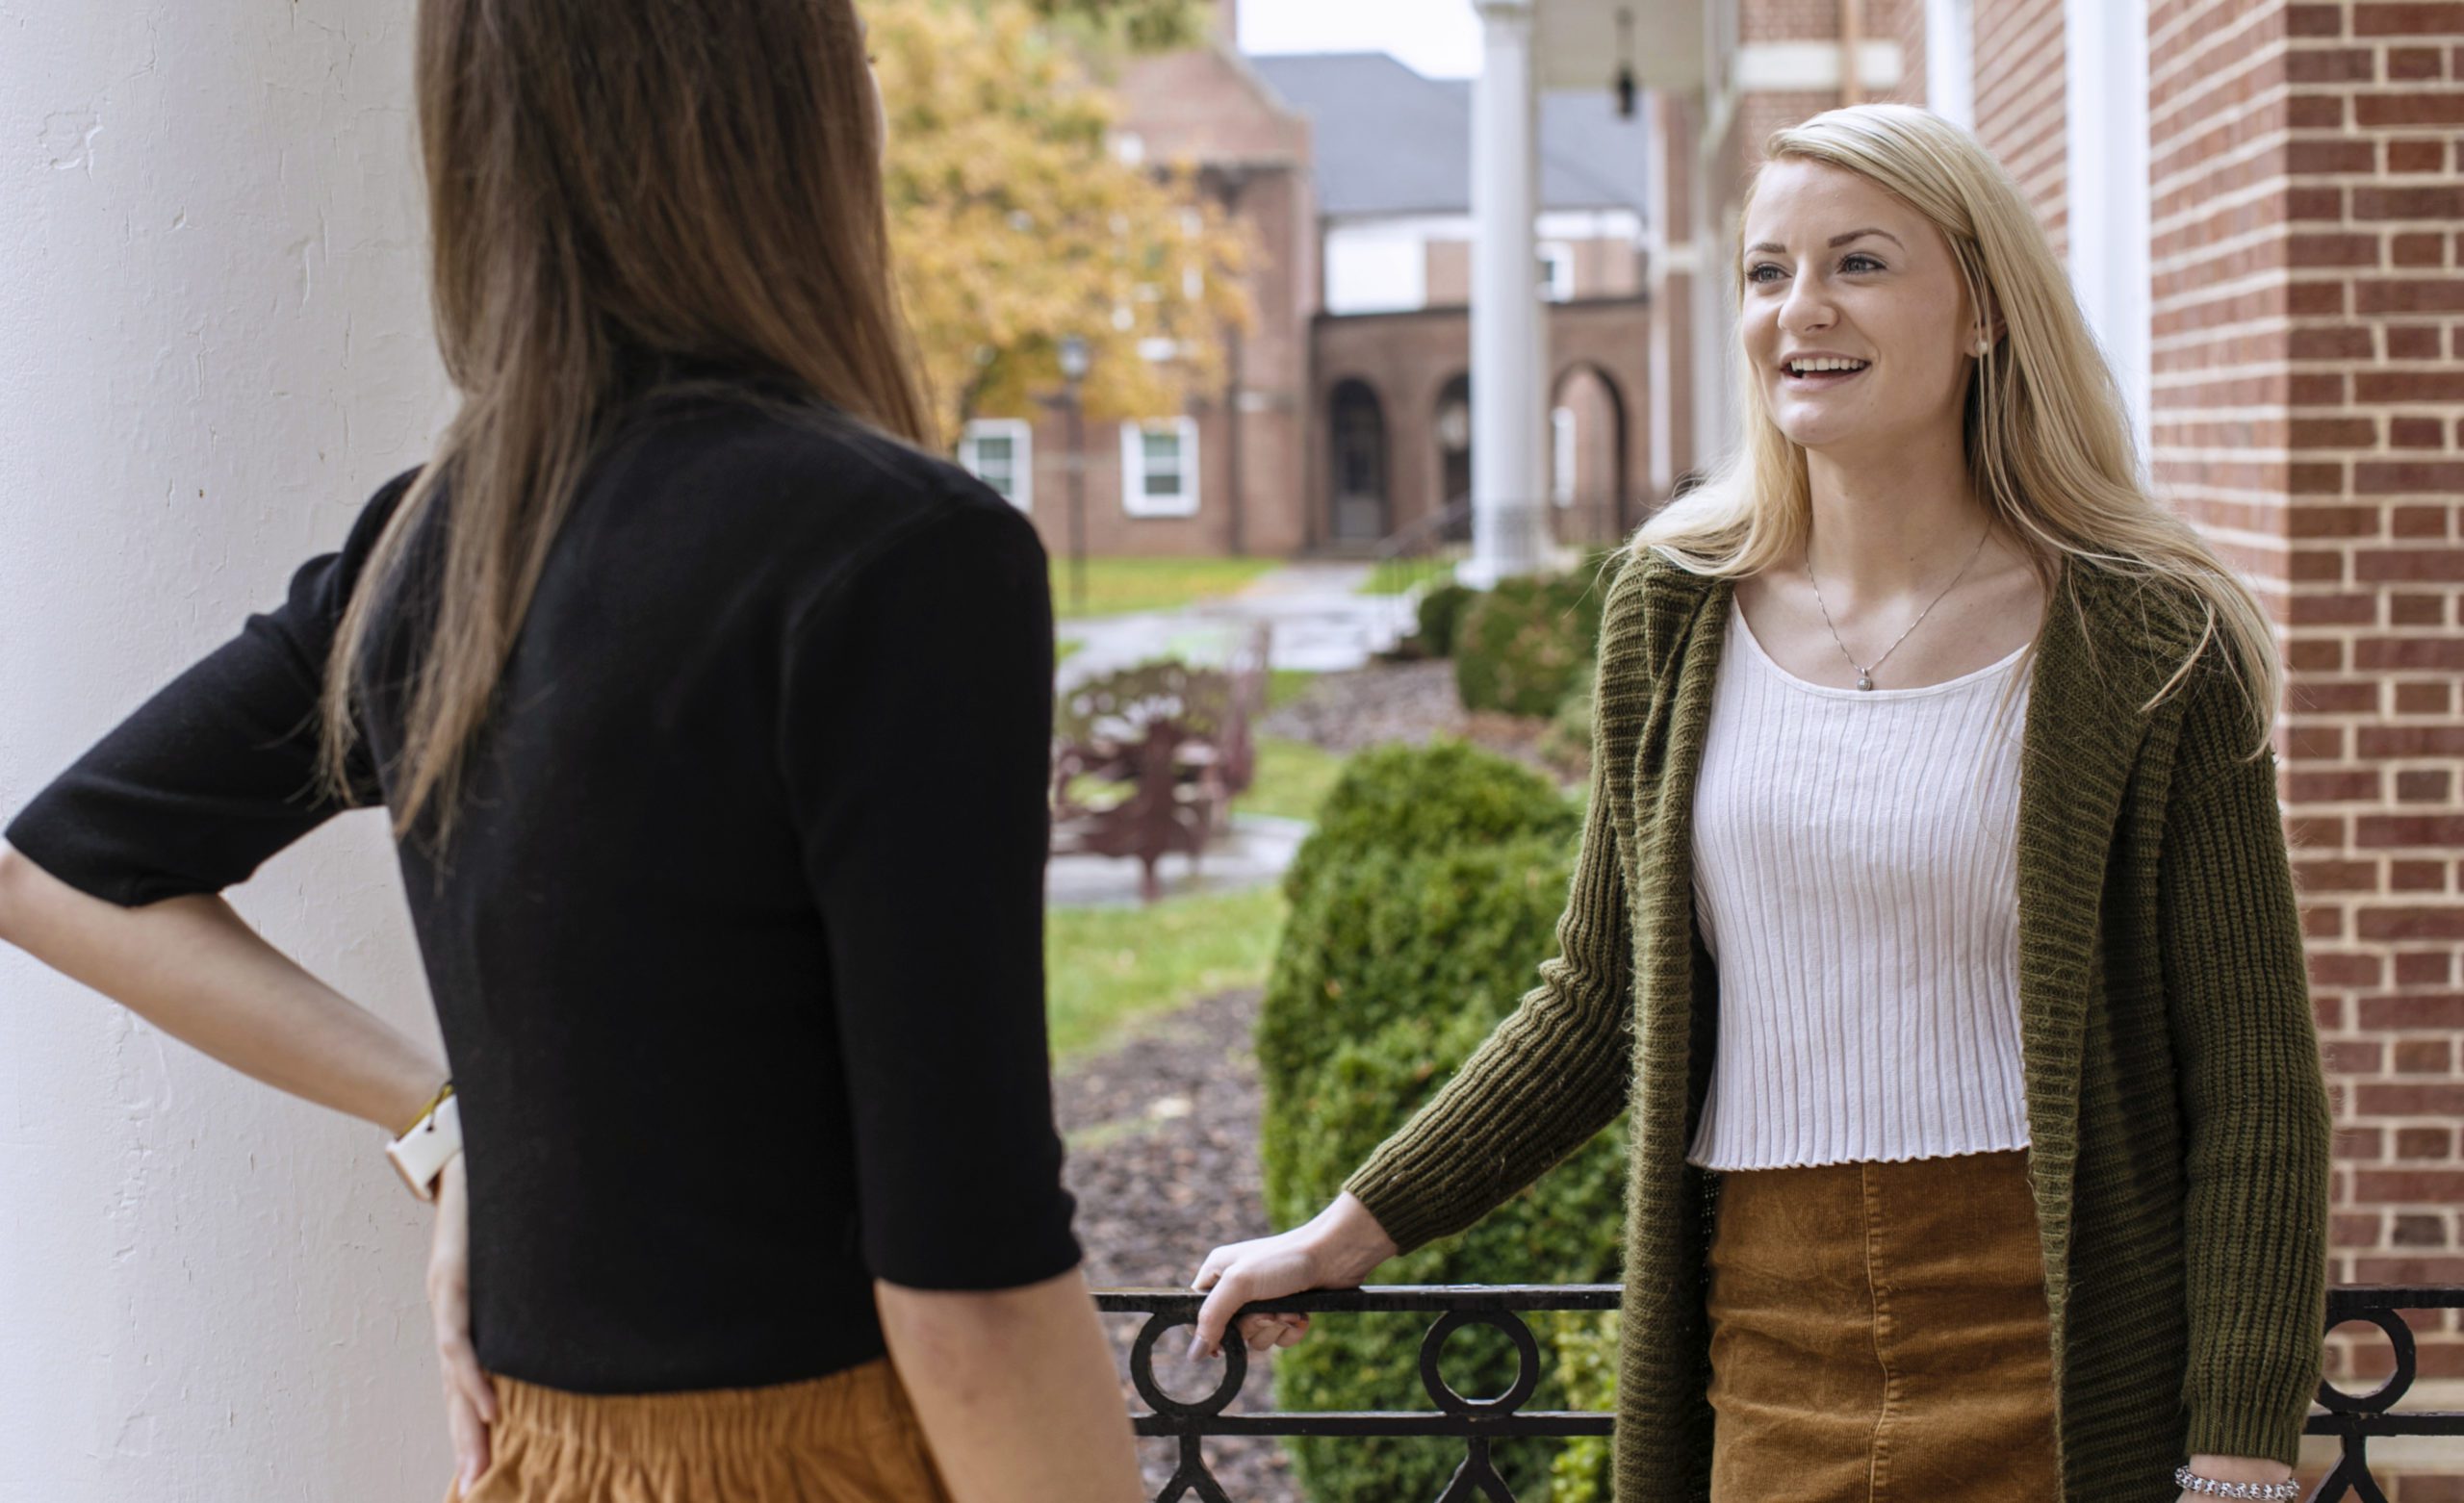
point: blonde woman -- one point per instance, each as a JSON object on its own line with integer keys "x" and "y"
{"x": 1933, "y": 921}
{"x": 713, "y": 717}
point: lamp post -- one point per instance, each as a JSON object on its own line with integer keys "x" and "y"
{"x": 1073, "y": 372}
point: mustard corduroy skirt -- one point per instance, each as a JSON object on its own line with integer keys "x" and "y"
{"x": 849, "y": 1438}
{"x": 1879, "y": 1334}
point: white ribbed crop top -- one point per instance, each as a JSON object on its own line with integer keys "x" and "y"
{"x": 1854, "y": 875}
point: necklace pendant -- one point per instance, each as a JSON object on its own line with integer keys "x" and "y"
{"x": 1865, "y": 680}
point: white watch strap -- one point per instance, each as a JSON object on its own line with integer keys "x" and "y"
{"x": 423, "y": 1152}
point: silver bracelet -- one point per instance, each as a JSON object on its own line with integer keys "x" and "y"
{"x": 2284, "y": 1492}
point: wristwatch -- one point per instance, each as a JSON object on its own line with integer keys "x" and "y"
{"x": 421, "y": 1154}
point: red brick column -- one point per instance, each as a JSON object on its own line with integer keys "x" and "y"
{"x": 2308, "y": 313}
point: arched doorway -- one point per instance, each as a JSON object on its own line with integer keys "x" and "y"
{"x": 1592, "y": 500}
{"x": 1363, "y": 511}
{"x": 1452, "y": 426}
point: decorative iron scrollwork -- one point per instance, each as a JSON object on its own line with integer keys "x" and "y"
{"x": 2354, "y": 1419}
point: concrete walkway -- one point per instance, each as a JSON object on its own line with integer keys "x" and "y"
{"x": 1321, "y": 625}
{"x": 1251, "y": 855}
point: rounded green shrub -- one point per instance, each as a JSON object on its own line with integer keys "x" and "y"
{"x": 1412, "y": 800}
{"x": 1567, "y": 742}
{"x": 1441, "y": 612}
{"x": 1424, "y": 904}
{"x": 1520, "y": 645}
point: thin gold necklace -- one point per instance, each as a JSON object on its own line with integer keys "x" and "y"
{"x": 1865, "y": 670}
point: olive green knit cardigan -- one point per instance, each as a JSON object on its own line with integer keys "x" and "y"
{"x": 2177, "y": 1115}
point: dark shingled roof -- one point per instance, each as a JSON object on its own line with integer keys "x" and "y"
{"x": 1389, "y": 141}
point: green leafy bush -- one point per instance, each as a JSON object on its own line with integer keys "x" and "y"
{"x": 1422, "y": 905}
{"x": 1521, "y": 645}
{"x": 1567, "y": 742}
{"x": 1587, "y": 1376}
{"x": 1417, "y": 800}
{"x": 1441, "y": 612}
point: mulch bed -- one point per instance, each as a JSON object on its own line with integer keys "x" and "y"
{"x": 1410, "y": 702}
{"x": 1162, "y": 1134}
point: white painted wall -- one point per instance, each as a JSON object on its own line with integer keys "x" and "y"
{"x": 214, "y": 344}
{"x": 1377, "y": 265}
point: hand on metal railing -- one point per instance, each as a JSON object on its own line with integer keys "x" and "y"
{"x": 1336, "y": 1249}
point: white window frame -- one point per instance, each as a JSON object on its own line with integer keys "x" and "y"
{"x": 1562, "y": 455}
{"x": 1134, "y": 499}
{"x": 1556, "y": 258}
{"x": 1021, "y": 434}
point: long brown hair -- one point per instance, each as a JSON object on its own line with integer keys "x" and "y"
{"x": 614, "y": 186}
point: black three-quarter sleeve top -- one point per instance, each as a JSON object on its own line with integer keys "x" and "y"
{"x": 737, "y": 946}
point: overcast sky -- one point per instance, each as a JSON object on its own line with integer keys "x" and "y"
{"x": 1438, "y": 37}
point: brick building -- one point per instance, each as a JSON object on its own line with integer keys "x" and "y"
{"x": 1343, "y": 416}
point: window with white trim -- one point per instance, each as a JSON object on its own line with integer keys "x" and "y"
{"x": 1001, "y": 453}
{"x": 1159, "y": 467}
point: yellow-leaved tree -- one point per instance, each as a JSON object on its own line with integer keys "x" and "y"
{"x": 1016, "y": 222}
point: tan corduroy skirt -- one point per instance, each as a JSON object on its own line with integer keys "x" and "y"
{"x": 1879, "y": 1334}
{"x": 849, "y": 1438}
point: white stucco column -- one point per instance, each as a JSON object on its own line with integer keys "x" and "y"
{"x": 1509, "y": 519}
{"x": 214, "y": 344}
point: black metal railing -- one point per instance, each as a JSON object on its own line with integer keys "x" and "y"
{"x": 2354, "y": 1419}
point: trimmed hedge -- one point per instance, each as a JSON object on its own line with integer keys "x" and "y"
{"x": 1422, "y": 907}
{"x": 1567, "y": 742}
{"x": 1413, "y": 801}
{"x": 1441, "y": 614}
{"x": 1521, "y": 645}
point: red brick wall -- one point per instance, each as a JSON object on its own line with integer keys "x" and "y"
{"x": 2019, "y": 94}
{"x": 1408, "y": 359}
{"x": 1203, "y": 106}
{"x": 2308, "y": 412}
{"x": 1901, "y": 22}
{"x": 1789, "y": 21}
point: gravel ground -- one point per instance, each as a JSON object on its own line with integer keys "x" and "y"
{"x": 1162, "y": 1134}
{"x": 1401, "y": 703}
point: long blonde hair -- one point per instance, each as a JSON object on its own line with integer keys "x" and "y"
{"x": 2049, "y": 451}
{"x": 616, "y": 187}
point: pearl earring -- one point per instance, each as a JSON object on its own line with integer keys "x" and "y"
{"x": 1984, "y": 347}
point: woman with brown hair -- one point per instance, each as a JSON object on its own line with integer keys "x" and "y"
{"x": 1932, "y": 923}
{"x": 712, "y": 712}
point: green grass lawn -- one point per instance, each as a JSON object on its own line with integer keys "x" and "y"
{"x": 1293, "y": 778}
{"x": 1117, "y": 586}
{"x": 1403, "y": 578}
{"x": 1107, "y": 967}
{"x": 1287, "y": 684}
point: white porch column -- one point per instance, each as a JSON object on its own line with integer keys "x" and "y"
{"x": 2105, "y": 63}
{"x": 1509, "y": 521}
{"x": 214, "y": 342}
